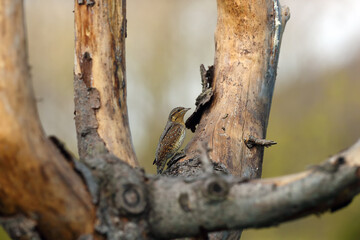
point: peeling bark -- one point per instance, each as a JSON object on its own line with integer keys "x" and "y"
{"x": 204, "y": 99}
{"x": 101, "y": 114}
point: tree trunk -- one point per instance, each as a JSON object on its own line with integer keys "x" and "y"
{"x": 247, "y": 45}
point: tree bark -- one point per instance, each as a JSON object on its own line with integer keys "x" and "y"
{"x": 241, "y": 84}
{"x": 247, "y": 45}
{"x": 36, "y": 180}
{"x": 101, "y": 114}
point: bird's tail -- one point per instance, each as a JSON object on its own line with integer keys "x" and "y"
{"x": 161, "y": 166}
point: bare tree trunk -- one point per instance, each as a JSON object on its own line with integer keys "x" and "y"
{"x": 241, "y": 84}
{"x": 247, "y": 45}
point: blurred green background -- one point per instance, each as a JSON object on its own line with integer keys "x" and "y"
{"x": 315, "y": 110}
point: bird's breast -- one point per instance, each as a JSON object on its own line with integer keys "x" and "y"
{"x": 179, "y": 141}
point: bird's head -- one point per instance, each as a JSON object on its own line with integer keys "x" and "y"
{"x": 177, "y": 114}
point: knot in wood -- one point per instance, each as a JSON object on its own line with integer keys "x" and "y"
{"x": 216, "y": 189}
{"x": 184, "y": 202}
{"x": 130, "y": 199}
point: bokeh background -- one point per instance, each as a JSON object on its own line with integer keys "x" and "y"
{"x": 316, "y": 104}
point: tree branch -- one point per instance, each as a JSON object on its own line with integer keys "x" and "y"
{"x": 101, "y": 114}
{"x": 35, "y": 178}
{"x": 216, "y": 202}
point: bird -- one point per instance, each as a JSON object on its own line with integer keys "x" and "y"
{"x": 171, "y": 139}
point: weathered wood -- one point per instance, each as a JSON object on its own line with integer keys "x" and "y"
{"x": 35, "y": 179}
{"x": 214, "y": 202}
{"x": 239, "y": 93}
{"x": 101, "y": 114}
{"x": 247, "y": 45}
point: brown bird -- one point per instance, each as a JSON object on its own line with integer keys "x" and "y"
{"x": 171, "y": 139}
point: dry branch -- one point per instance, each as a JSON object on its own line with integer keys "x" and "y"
{"x": 101, "y": 114}
{"x": 181, "y": 208}
{"x": 35, "y": 179}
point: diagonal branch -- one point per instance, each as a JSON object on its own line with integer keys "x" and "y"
{"x": 225, "y": 202}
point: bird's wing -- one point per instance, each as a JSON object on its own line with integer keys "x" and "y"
{"x": 166, "y": 130}
{"x": 169, "y": 136}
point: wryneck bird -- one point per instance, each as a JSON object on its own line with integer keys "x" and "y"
{"x": 171, "y": 139}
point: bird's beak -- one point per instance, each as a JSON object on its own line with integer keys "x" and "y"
{"x": 183, "y": 112}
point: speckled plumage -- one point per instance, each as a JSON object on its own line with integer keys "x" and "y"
{"x": 171, "y": 139}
